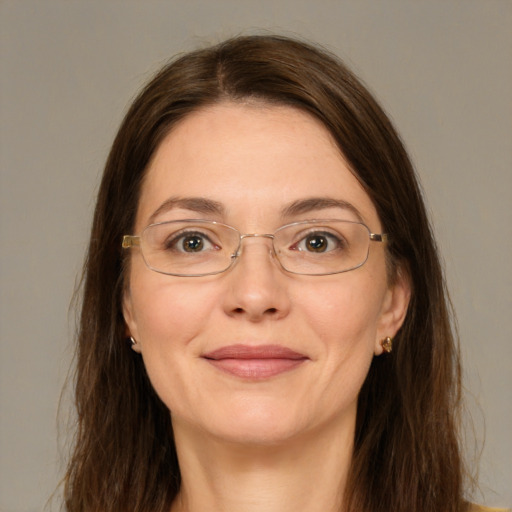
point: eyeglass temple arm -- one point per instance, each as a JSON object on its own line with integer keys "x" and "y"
{"x": 379, "y": 237}
{"x": 130, "y": 241}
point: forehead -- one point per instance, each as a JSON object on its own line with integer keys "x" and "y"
{"x": 252, "y": 159}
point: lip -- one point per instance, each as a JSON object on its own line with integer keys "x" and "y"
{"x": 255, "y": 362}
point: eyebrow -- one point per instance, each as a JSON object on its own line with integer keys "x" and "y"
{"x": 195, "y": 204}
{"x": 211, "y": 207}
{"x": 311, "y": 204}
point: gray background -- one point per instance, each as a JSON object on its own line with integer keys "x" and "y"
{"x": 443, "y": 69}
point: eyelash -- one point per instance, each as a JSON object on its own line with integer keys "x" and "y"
{"x": 173, "y": 242}
{"x": 331, "y": 237}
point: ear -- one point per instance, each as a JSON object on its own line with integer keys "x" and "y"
{"x": 129, "y": 319}
{"x": 394, "y": 308}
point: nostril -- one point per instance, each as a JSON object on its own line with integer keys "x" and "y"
{"x": 269, "y": 311}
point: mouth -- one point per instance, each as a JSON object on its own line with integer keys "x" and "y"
{"x": 255, "y": 362}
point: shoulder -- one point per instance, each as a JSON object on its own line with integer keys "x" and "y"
{"x": 479, "y": 508}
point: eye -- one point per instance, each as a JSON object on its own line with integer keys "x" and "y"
{"x": 190, "y": 242}
{"x": 318, "y": 242}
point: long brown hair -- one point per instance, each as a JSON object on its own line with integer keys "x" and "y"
{"x": 406, "y": 456}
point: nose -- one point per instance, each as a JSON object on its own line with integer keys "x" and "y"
{"x": 256, "y": 286}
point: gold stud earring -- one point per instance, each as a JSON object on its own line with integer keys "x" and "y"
{"x": 387, "y": 344}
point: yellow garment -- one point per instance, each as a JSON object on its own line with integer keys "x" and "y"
{"x": 479, "y": 508}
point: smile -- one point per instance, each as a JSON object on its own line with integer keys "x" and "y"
{"x": 255, "y": 362}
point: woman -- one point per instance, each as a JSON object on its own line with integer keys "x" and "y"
{"x": 265, "y": 324}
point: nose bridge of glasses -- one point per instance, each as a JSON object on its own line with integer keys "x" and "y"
{"x": 255, "y": 235}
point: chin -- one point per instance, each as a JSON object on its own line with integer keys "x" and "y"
{"x": 258, "y": 434}
{"x": 246, "y": 423}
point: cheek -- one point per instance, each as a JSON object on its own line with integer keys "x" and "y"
{"x": 166, "y": 311}
{"x": 344, "y": 323}
{"x": 169, "y": 317}
{"x": 343, "y": 313}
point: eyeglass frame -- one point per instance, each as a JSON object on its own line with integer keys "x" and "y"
{"x": 130, "y": 241}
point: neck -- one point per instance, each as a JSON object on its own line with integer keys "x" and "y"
{"x": 306, "y": 473}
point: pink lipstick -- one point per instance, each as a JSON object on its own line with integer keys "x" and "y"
{"x": 255, "y": 362}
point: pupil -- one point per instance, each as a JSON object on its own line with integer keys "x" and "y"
{"x": 317, "y": 243}
{"x": 193, "y": 243}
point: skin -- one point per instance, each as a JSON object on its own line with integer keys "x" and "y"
{"x": 250, "y": 444}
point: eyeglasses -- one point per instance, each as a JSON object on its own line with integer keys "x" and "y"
{"x": 194, "y": 248}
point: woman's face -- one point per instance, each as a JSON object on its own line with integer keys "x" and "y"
{"x": 256, "y": 354}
